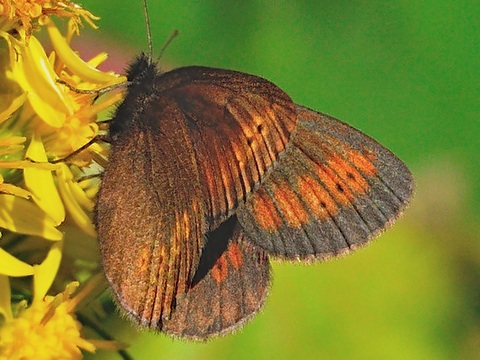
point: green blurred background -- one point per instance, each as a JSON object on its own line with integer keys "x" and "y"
{"x": 405, "y": 72}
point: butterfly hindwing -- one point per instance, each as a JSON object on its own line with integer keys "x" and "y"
{"x": 332, "y": 191}
{"x": 229, "y": 287}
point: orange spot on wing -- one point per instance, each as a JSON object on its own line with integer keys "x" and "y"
{"x": 235, "y": 255}
{"x": 362, "y": 162}
{"x": 355, "y": 181}
{"x": 334, "y": 184}
{"x": 143, "y": 262}
{"x": 228, "y": 184}
{"x": 220, "y": 269}
{"x": 290, "y": 206}
{"x": 316, "y": 197}
{"x": 210, "y": 183}
{"x": 265, "y": 212}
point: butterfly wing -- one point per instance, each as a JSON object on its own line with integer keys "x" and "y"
{"x": 238, "y": 123}
{"x": 229, "y": 287}
{"x": 334, "y": 189}
{"x": 150, "y": 216}
{"x": 187, "y": 148}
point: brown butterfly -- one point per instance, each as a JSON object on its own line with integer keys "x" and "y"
{"x": 212, "y": 171}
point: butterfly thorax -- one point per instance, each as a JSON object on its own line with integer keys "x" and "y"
{"x": 141, "y": 76}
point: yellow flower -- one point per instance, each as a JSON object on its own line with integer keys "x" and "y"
{"x": 40, "y": 112}
{"x": 48, "y": 328}
{"x": 46, "y": 194}
{"x": 20, "y": 15}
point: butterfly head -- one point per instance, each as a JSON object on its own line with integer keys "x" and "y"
{"x": 142, "y": 69}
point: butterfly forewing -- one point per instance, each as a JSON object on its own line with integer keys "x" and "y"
{"x": 150, "y": 216}
{"x": 239, "y": 124}
{"x": 333, "y": 190}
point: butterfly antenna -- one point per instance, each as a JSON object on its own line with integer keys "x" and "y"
{"x": 149, "y": 31}
{"x": 169, "y": 40}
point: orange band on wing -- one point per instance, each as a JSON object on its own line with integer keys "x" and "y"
{"x": 316, "y": 197}
{"x": 235, "y": 255}
{"x": 265, "y": 212}
{"x": 220, "y": 269}
{"x": 349, "y": 174}
{"x": 290, "y": 205}
{"x": 362, "y": 163}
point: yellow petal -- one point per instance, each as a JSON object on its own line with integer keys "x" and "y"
{"x": 12, "y": 149}
{"x": 22, "y": 164}
{"x": 14, "y": 106}
{"x": 40, "y": 182}
{"x": 34, "y": 73}
{"x": 14, "y": 190}
{"x": 11, "y": 266}
{"x": 79, "y": 67}
{"x": 5, "y": 293}
{"x": 73, "y": 196}
{"x": 45, "y": 273}
{"x": 98, "y": 59}
{"x": 25, "y": 217}
{"x": 12, "y": 140}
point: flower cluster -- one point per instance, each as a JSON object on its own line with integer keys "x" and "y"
{"x": 49, "y": 108}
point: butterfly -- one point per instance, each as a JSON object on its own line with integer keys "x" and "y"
{"x": 211, "y": 173}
